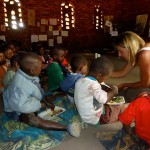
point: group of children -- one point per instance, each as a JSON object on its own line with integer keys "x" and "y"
{"x": 81, "y": 83}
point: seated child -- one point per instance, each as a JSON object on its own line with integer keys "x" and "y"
{"x": 9, "y": 53}
{"x": 79, "y": 69}
{"x": 89, "y": 96}
{"x": 139, "y": 112}
{"x": 3, "y": 69}
{"x": 24, "y": 96}
{"x": 11, "y": 71}
{"x": 54, "y": 71}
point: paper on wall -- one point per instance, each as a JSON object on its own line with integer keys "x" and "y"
{"x": 64, "y": 33}
{"x": 31, "y": 17}
{"x": 53, "y": 21}
{"x": 34, "y": 38}
{"x": 42, "y": 37}
{"x": 55, "y": 32}
{"x": 108, "y": 23}
{"x": 59, "y": 39}
{"x": 114, "y": 33}
{"x": 50, "y": 28}
{"x": 2, "y": 37}
{"x": 50, "y": 42}
{"x": 44, "y": 21}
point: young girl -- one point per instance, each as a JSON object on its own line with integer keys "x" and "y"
{"x": 89, "y": 96}
{"x": 27, "y": 97}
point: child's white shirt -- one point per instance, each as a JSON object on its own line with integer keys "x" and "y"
{"x": 86, "y": 90}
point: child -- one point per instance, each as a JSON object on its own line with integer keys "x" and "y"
{"x": 24, "y": 96}
{"x": 3, "y": 69}
{"x": 139, "y": 112}
{"x": 79, "y": 69}
{"x": 54, "y": 71}
{"x": 9, "y": 53}
{"x": 89, "y": 96}
{"x": 11, "y": 71}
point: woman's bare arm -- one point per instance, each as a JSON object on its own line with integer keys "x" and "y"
{"x": 144, "y": 65}
{"x": 123, "y": 71}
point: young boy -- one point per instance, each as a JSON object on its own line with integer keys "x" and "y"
{"x": 24, "y": 96}
{"x": 11, "y": 71}
{"x": 139, "y": 112}
{"x": 89, "y": 96}
{"x": 79, "y": 69}
{"x": 54, "y": 71}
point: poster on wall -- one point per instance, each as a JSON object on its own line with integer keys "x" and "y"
{"x": 59, "y": 39}
{"x": 2, "y": 37}
{"x": 108, "y": 23}
{"x": 34, "y": 38}
{"x": 50, "y": 42}
{"x": 31, "y": 17}
{"x": 141, "y": 21}
{"x": 44, "y": 21}
{"x": 42, "y": 37}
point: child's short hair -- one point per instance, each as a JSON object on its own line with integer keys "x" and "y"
{"x": 14, "y": 59}
{"x": 56, "y": 50}
{"x": 101, "y": 65}
{"x": 28, "y": 60}
{"x": 77, "y": 61}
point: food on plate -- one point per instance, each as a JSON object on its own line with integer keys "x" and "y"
{"x": 117, "y": 100}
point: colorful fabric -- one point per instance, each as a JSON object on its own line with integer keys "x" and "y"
{"x": 139, "y": 111}
{"x": 119, "y": 140}
{"x": 18, "y": 136}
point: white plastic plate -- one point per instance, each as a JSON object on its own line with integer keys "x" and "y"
{"x": 49, "y": 114}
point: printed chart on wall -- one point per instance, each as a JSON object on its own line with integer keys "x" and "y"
{"x": 141, "y": 21}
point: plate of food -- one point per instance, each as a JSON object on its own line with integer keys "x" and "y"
{"x": 118, "y": 100}
{"x": 49, "y": 114}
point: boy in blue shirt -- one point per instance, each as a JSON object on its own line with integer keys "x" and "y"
{"x": 79, "y": 69}
{"x": 24, "y": 97}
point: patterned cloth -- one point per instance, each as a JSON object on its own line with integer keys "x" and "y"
{"x": 119, "y": 140}
{"x": 18, "y": 136}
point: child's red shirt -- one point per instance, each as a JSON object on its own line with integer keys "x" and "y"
{"x": 138, "y": 110}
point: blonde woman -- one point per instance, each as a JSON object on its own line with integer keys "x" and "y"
{"x": 133, "y": 48}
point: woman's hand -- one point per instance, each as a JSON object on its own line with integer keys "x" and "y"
{"x": 122, "y": 86}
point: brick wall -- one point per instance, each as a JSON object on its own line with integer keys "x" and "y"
{"x": 83, "y": 36}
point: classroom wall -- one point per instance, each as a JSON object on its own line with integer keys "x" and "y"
{"x": 84, "y": 35}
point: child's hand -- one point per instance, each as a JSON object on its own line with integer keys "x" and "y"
{"x": 43, "y": 105}
{"x": 48, "y": 104}
{"x": 114, "y": 89}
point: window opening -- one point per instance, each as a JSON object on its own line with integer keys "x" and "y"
{"x": 98, "y": 18}
{"x": 67, "y": 16}
{"x": 13, "y": 14}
